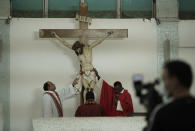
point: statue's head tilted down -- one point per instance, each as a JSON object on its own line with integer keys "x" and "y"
{"x": 78, "y": 47}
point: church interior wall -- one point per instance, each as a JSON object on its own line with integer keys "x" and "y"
{"x": 187, "y": 45}
{"x": 35, "y": 61}
{"x": 4, "y": 75}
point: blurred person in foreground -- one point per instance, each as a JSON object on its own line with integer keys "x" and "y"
{"x": 179, "y": 113}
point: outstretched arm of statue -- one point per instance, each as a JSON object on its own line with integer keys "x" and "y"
{"x": 61, "y": 40}
{"x": 99, "y": 41}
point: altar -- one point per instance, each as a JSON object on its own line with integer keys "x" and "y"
{"x": 89, "y": 124}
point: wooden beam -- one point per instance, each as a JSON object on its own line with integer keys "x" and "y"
{"x": 83, "y": 11}
{"x": 77, "y": 33}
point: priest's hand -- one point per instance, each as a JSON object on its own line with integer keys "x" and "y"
{"x": 116, "y": 99}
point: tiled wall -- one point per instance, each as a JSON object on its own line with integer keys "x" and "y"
{"x": 167, "y": 31}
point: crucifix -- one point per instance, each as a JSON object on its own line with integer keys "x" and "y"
{"x": 82, "y": 49}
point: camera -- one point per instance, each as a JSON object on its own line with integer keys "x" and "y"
{"x": 146, "y": 92}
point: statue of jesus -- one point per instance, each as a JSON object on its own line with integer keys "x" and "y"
{"x": 84, "y": 52}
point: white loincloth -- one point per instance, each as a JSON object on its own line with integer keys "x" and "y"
{"x": 89, "y": 76}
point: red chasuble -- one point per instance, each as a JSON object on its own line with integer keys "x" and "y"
{"x": 90, "y": 110}
{"x": 58, "y": 105}
{"x": 107, "y": 101}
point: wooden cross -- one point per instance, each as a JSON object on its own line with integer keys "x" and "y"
{"x": 78, "y": 33}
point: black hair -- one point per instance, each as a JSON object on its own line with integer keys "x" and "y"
{"x": 46, "y": 86}
{"x": 117, "y": 83}
{"x": 181, "y": 70}
{"x": 90, "y": 95}
{"x": 77, "y": 45}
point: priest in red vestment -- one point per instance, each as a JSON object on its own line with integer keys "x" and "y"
{"x": 115, "y": 100}
{"x": 90, "y": 108}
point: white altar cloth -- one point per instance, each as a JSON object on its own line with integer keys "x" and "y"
{"x": 89, "y": 124}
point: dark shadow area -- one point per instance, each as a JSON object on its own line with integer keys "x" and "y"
{"x": 187, "y": 15}
{"x": 72, "y": 14}
{"x": 27, "y": 13}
